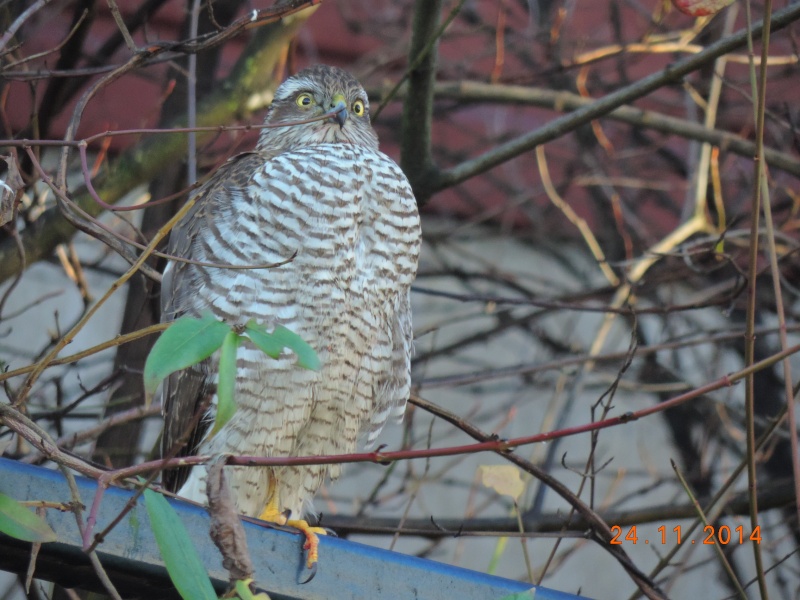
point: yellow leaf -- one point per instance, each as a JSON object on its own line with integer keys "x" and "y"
{"x": 503, "y": 479}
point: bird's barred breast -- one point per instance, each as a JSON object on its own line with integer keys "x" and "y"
{"x": 346, "y": 214}
{"x": 348, "y": 218}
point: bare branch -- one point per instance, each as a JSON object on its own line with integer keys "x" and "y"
{"x": 20, "y": 21}
{"x": 599, "y": 108}
{"x": 479, "y": 92}
{"x": 415, "y": 157}
{"x": 144, "y": 161}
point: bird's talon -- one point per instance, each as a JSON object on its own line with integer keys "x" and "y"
{"x": 311, "y": 545}
{"x": 312, "y": 572}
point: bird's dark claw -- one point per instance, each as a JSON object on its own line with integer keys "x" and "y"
{"x": 311, "y": 572}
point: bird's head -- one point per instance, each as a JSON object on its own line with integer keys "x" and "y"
{"x": 314, "y": 92}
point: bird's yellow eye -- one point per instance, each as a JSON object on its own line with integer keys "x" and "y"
{"x": 358, "y": 108}
{"x": 304, "y": 100}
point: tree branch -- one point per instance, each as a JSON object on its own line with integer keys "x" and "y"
{"x": 605, "y": 105}
{"x": 476, "y": 91}
{"x": 776, "y": 495}
{"x": 415, "y": 151}
{"x": 144, "y": 162}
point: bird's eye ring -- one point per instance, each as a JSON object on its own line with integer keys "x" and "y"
{"x": 358, "y": 108}
{"x": 304, "y": 100}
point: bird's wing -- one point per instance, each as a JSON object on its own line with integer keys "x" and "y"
{"x": 213, "y": 200}
{"x": 393, "y": 391}
{"x": 186, "y": 392}
{"x": 390, "y": 401}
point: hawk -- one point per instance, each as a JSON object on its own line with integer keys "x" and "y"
{"x": 340, "y": 215}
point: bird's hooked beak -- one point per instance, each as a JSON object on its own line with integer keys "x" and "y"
{"x": 339, "y": 108}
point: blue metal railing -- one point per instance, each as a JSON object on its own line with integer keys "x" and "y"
{"x": 129, "y": 553}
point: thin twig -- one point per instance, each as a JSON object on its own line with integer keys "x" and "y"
{"x": 65, "y": 360}
{"x": 772, "y": 255}
{"x": 20, "y": 21}
{"x": 68, "y": 337}
{"x": 572, "y": 216}
{"x": 78, "y": 512}
{"x": 752, "y": 306}
{"x": 40, "y": 439}
{"x": 600, "y": 527}
{"x": 562, "y": 125}
{"x": 73, "y": 439}
{"x": 123, "y": 29}
{"x": 115, "y": 234}
{"x": 716, "y": 504}
{"x": 479, "y": 92}
{"x": 723, "y": 559}
{"x": 56, "y": 48}
{"x": 490, "y": 445}
{"x": 551, "y": 525}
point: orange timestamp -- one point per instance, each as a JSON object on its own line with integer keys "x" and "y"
{"x": 712, "y": 535}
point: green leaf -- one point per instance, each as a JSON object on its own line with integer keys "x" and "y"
{"x": 226, "y": 384}
{"x": 180, "y": 557}
{"x": 273, "y": 343}
{"x": 526, "y": 595}
{"x": 242, "y": 588}
{"x": 186, "y": 342}
{"x": 20, "y": 522}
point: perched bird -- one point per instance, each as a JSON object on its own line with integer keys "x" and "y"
{"x": 322, "y": 199}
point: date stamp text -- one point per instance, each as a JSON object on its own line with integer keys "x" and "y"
{"x": 722, "y": 535}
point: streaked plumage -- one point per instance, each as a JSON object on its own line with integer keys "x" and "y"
{"x": 324, "y": 193}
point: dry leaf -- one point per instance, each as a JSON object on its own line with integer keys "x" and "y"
{"x": 226, "y": 528}
{"x": 503, "y": 479}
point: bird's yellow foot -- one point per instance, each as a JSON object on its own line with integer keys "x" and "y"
{"x": 312, "y": 541}
{"x": 273, "y": 515}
